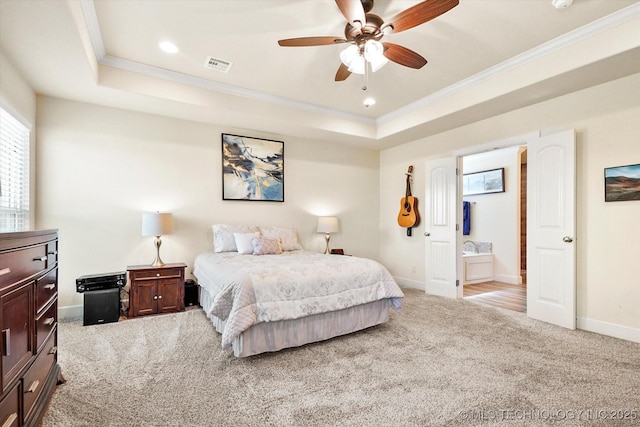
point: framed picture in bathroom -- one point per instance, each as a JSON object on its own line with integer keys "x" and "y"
{"x": 484, "y": 182}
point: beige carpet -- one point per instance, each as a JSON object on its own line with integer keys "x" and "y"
{"x": 438, "y": 362}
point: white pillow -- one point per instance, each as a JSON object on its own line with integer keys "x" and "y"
{"x": 244, "y": 242}
{"x": 287, "y": 236}
{"x": 223, "y": 238}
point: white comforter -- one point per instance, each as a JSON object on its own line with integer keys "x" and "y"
{"x": 249, "y": 289}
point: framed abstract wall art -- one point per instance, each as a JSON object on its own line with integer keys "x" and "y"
{"x": 622, "y": 183}
{"x": 491, "y": 181}
{"x": 252, "y": 168}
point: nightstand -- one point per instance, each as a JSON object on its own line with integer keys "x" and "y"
{"x": 156, "y": 290}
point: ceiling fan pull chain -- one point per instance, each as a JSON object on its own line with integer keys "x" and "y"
{"x": 366, "y": 74}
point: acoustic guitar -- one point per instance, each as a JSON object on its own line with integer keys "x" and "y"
{"x": 408, "y": 216}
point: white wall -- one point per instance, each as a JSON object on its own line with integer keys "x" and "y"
{"x": 606, "y": 121}
{"x": 100, "y": 168}
{"x": 495, "y": 217}
{"x": 17, "y": 97}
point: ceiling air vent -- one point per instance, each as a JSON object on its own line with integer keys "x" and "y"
{"x": 218, "y": 64}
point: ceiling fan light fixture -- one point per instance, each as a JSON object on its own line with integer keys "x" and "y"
{"x": 374, "y": 54}
{"x": 357, "y": 65}
{"x": 373, "y": 50}
{"x": 347, "y": 55}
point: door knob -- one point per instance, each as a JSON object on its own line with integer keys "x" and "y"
{"x": 427, "y": 234}
{"x": 567, "y": 239}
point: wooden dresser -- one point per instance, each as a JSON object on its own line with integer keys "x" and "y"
{"x": 28, "y": 320}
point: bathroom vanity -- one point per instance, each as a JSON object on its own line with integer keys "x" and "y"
{"x": 478, "y": 267}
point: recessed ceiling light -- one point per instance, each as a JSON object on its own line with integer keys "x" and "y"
{"x": 368, "y": 102}
{"x": 561, "y": 4}
{"x": 168, "y": 47}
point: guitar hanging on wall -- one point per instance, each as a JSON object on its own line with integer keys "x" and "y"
{"x": 408, "y": 216}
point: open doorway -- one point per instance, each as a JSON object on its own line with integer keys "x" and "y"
{"x": 495, "y": 227}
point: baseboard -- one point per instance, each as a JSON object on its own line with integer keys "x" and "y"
{"x": 504, "y": 278}
{"x": 408, "y": 283}
{"x": 609, "y": 329}
{"x": 70, "y": 312}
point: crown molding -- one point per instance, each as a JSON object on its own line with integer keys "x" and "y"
{"x": 95, "y": 34}
{"x": 603, "y": 24}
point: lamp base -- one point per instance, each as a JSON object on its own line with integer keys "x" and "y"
{"x": 158, "y": 261}
{"x": 327, "y": 237}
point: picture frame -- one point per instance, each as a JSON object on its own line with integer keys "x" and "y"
{"x": 484, "y": 182}
{"x": 252, "y": 168}
{"x": 622, "y": 183}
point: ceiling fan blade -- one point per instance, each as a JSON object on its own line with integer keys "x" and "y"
{"x": 403, "y": 56}
{"x": 353, "y": 11}
{"x": 420, "y": 13}
{"x": 343, "y": 73}
{"x": 311, "y": 41}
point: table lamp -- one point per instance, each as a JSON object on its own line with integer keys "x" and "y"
{"x": 327, "y": 225}
{"x": 157, "y": 224}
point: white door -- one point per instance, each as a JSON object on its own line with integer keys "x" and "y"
{"x": 551, "y": 253}
{"x": 440, "y": 227}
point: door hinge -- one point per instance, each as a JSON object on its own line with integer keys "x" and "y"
{"x": 457, "y": 171}
{"x": 457, "y": 283}
{"x": 457, "y": 227}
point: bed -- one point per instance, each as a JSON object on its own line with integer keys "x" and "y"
{"x": 264, "y": 293}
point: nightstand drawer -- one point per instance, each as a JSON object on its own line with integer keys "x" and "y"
{"x": 158, "y": 274}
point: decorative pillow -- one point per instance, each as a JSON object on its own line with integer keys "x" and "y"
{"x": 223, "y": 238}
{"x": 266, "y": 246}
{"x": 288, "y": 237}
{"x": 244, "y": 243}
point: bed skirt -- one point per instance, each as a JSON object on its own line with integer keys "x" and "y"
{"x": 274, "y": 336}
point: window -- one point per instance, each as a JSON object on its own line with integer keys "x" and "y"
{"x": 14, "y": 174}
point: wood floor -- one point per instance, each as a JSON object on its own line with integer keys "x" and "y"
{"x": 497, "y": 294}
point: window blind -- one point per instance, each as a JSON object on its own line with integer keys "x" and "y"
{"x": 14, "y": 174}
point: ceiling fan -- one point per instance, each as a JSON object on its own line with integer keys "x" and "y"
{"x": 364, "y": 31}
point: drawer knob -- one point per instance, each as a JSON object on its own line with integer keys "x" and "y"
{"x": 8, "y": 422}
{"x": 4, "y": 271}
{"x": 49, "y": 321}
{"x": 157, "y": 274}
{"x": 155, "y": 297}
{"x": 33, "y": 387}
{"x": 52, "y": 253}
{"x": 40, "y": 258}
{"x": 50, "y": 286}
{"x": 53, "y": 350}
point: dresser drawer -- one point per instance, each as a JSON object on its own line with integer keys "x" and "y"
{"x": 46, "y": 323}
{"x": 157, "y": 274}
{"x": 36, "y": 377}
{"x": 52, "y": 253}
{"x": 10, "y": 408}
{"x": 20, "y": 264}
{"x": 46, "y": 289}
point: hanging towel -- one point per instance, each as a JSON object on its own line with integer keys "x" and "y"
{"x": 466, "y": 218}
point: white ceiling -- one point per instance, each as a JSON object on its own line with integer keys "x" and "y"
{"x": 485, "y": 57}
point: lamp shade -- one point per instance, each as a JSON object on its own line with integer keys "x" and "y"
{"x": 157, "y": 224}
{"x": 327, "y": 224}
